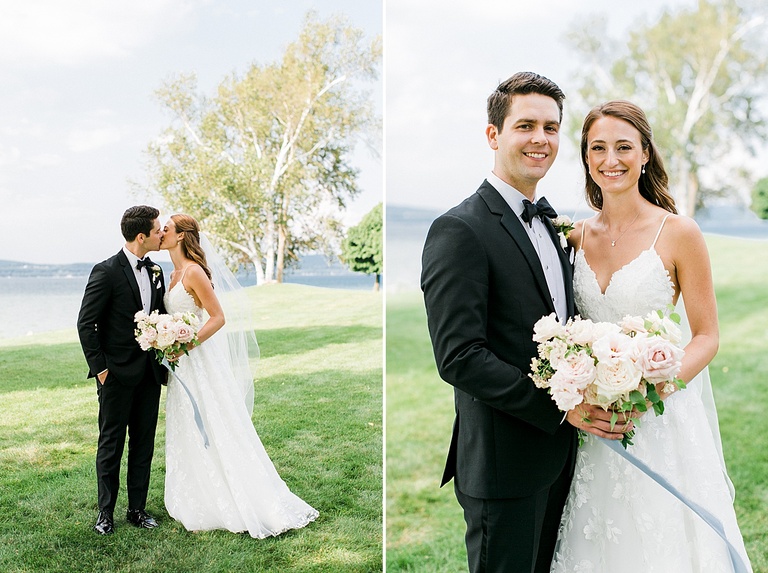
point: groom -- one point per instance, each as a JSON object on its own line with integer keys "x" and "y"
{"x": 492, "y": 267}
{"x": 128, "y": 379}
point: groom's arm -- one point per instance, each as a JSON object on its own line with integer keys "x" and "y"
{"x": 95, "y": 300}
{"x": 455, "y": 281}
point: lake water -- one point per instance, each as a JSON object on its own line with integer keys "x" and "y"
{"x": 42, "y": 298}
{"x": 407, "y": 229}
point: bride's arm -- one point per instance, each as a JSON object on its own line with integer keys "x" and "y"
{"x": 693, "y": 275}
{"x": 199, "y": 286}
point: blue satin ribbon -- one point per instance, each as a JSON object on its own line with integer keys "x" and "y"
{"x": 195, "y": 409}
{"x": 738, "y": 563}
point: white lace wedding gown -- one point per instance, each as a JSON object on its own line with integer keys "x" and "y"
{"x": 618, "y": 519}
{"x": 232, "y": 484}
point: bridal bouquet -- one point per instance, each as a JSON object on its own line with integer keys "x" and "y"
{"x": 166, "y": 334}
{"x": 614, "y": 366}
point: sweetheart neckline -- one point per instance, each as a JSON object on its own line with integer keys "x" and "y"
{"x": 170, "y": 290}
{"x": 617, "y": 271}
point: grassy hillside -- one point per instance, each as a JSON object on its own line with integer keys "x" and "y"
{"x": 317, "y": 409}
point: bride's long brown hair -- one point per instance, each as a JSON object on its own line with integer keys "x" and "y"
{"x": 191, "y": 242}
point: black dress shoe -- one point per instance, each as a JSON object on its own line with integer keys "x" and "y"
{"x": 141, "y": 518}
{"x": 105, "y": 525}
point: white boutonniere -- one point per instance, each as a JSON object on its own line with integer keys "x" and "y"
{"x": 156, "y": 272}
{"x": 563, "y": 225}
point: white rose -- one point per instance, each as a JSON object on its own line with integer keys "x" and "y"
{"x": 671, "y": 330}
{"x": 165, "y": 338}
{"x": 578, "y": 368}
{"x": 615, "y": 379}
{"x": 147, "y": 338}
{"x": 600, "y": 329}
{"x": 166, "y": 332}
{"x": 581, "y": 331}
{"x": 562, "y": 221}
{"x": 658, "y": 359}
{"x": 547, "y": 327}
{"x": 612, "y": 347}
{"x": 567, "y": 399}
{"x": 632, "y": 324}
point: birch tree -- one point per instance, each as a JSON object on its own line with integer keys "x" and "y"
{"x": 264, "y": 162}
{"x": 699, "y": 74}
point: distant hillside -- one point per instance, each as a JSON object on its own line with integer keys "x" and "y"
{"x": 21, "y": 269}
{"x": 732, "y": 220}
{"x": 309, "y": 265}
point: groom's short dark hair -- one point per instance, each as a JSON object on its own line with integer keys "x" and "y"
{"x": 521, "y": 83}
{"x": 138, "y": 219}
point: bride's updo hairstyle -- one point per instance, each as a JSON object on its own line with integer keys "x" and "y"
{"x": 191, "y": 241}
{"x": 653, "y": 183}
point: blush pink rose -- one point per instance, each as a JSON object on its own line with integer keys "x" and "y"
{"x": 658, "y": 359}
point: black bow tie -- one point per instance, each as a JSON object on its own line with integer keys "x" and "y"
{"x": 145, "y": 262}
{"x": 537, "y": 209}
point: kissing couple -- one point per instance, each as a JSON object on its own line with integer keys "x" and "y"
{"x": 229, "y": 483}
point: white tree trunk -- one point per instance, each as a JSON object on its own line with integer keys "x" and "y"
{"x": 259, "y": 271}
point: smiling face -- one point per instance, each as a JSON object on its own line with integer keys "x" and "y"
{"x": 527, "y": 144}
{"x": 615, "y": 155}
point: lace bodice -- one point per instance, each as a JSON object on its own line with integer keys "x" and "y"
{"x": 639, "y": 287}
{"x": 178, "y": 299}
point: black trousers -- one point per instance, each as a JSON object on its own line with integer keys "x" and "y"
{"x": 132, "y": 410}
{"x": 514, "y": 535}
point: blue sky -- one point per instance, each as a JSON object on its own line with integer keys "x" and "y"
{"x": 77, "y": 107}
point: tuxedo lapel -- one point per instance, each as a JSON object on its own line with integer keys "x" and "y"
{"x": 565, "y": 263}
{"x": 128, "y": 272}
{"x": 512, "y": 225}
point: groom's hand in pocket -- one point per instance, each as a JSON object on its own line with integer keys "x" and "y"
{"x": 597, "y": 421}
{"x": 102, "y": 377}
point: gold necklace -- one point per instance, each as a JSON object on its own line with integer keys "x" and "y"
{"x": 613, "y": 241}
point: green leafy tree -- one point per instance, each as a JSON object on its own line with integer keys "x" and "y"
{"x": 760, "y": 198}
{"x": 263, "y": 163}
{"x": 362, "y": 249}
{"x": 699, "y": 73}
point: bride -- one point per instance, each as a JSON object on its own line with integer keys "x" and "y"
{"x": 634, "y": 256}
{"x": 229, "y": 483}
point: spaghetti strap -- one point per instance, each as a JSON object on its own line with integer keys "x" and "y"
{"x": 664, "y": 220}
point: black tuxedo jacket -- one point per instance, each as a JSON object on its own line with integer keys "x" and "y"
{"x": 484, "y": 288}
{"x": 106, "y": 326}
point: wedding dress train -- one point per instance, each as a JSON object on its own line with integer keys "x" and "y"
{"x": 617, "y": 518}
{"x": 232, "y": 484}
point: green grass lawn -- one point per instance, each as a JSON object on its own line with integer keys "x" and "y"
{"x": 425, "y": 527}
{"x": 318, "y": 410}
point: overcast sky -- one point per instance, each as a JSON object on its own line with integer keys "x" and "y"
{"x": 443, "y": 59}
{"x": 77, "y": 107}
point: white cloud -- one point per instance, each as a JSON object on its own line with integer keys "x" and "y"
{"x": 80, "y": 140}
{"x": 43, "y": 160}
{"x": 75, "y": 32}
{"x": 9, "y": 156}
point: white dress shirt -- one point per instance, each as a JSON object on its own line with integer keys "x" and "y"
{"x": 142, "y": 278}
{"x": 542, "y": 243}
